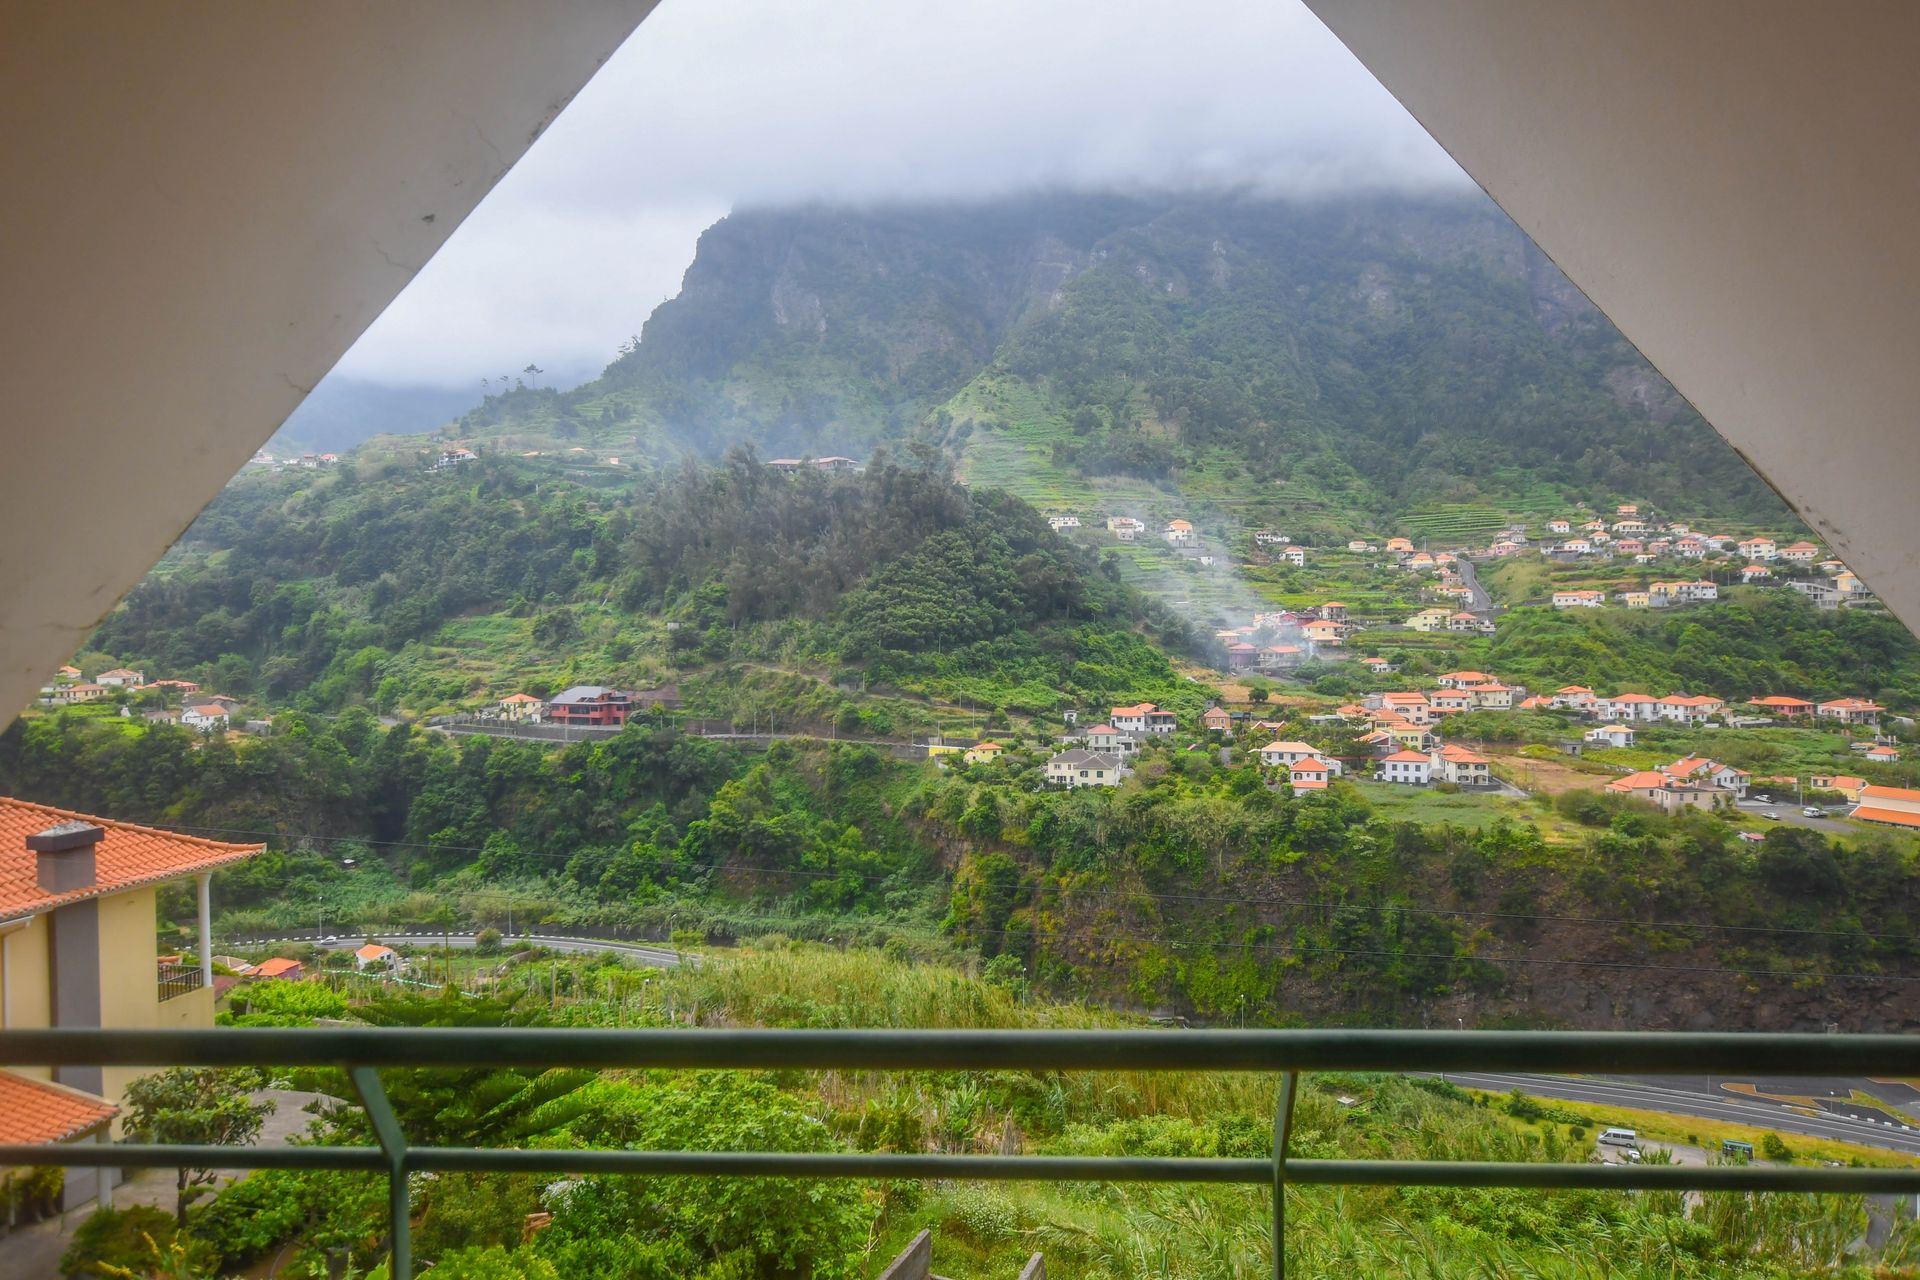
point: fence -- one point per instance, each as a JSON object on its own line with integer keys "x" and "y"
{"x": 177, "y": 980}
{"x": 365, "y": 1053}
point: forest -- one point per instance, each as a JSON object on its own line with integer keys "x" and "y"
{"x": 1202, "y": 890}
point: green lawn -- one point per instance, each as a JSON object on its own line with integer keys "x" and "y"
{"x": 1425, "y": 805}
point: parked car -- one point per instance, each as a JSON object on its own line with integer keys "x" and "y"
{"x": 1619, "y": 1137}
{"x": 1811, "y": 812}
{"x": 1771, "y": 815}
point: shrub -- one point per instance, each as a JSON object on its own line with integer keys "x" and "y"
{"x": 487, "y": 942}
{"x": 1773, "y": 1148}
{"x": 117, "y": 1237}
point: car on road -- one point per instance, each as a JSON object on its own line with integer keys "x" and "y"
{"x": 1619, "y": 1138}
{"x": 1811, "y": 812}
{"x": 1771, "y": 815}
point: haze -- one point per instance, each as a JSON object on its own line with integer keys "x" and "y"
{"x": 715, "y": 104}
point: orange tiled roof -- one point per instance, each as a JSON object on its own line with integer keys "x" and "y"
{"x": 129, "y": 856}
{"x": 1907, "y": 794}
{"x": 373, "y": 951}
{"x": 275, "y": 967}
{"x": 34, "y": 1112}
{"x": 1645, "y": 780}
{"x": 1898, "y": 817}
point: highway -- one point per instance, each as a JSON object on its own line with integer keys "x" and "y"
{"x": 1643, "y": 1096}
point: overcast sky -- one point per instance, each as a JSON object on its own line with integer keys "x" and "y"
{"x": 715, "y": 104}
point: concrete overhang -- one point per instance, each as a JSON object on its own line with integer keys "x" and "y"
{"x": 205, "y": 205}
{"x": 1734, "y": 182}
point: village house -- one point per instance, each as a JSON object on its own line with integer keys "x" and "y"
{"x": 1461, "y": 679}
{"x": 1700, "y": 769}
{"x": 1449, "y": 702}
{"x": 1491, "y": 696}
{"x": 1400, "y": 545}
{"x": 77, "y": 913}
{"x": 1361, "y": 544}
{"x": 1690, "y": 548}
{"x": 1846, "y": 784}
{"x": 1324, "y": 633}
{"x": 1179, "y": 533}
{"x": 1889, "y": 806}
{"x": 375, "y": 956}
{"x": 1412, "y": 705}
{"x": 1378, "y": 666}
{"x": 119, "y": 677}
{"x": 279, "y": 969}
{"x": 1883, "y": 754}
{"x": 1216, "y": 719}
{"x": 982, "y": 753}
{"x": 1309, "y": 775}
{"x": 1685, "y": 709}
{"x": 68, "y": 694}
{"x": 1063, "y": 522}
{"x": 459, "y": 457}
{"x": 1629, "y": 707}
{"x": 590, "y": 706}
{"x": 1428, "y": 620}
{"x": 1505, "y": 547}
{"x": 1080, "y": 768}
{"x": 1268, "y": 538}
{"x": 1800, "y": 553}
{"x": 207, "y": 717}
{"x": 1295, "y": 556}
{"x": 1629, "y": 547}
{"x": 521, "y": 708}
{"x": 1758, "y": 549}
{"x": 1668, "y": 794}
{"x": 1464, "y": 621}
{"x": 1579, "y": 599}
{"x": 1560, "y": 526}
{"x": 1410, "y": 768}
{"x": 1419, "y": 562}
{"x": 67, "y": 673}
{"x": 1697, "y": 592}
{"x": 1610, "y": 735}
{"x": 1110, "y": 741}
{"x": 1636, "y": 599}
{"x": 1575, "y": 547}
{"x": 1755, "y": 573}
{"x": 1126, "y": 528}
{"x": 1850, "y": 711}
{"x": 1462, "y": 767}
{"x": 1278, "y": 657}
{"x": 1242, "y": 655}
{"x": 1287, "y": 754}
{"x": 1627, "y": 509}
{"x": 1574, "y": 697}
{"x": 1787, "y": 708}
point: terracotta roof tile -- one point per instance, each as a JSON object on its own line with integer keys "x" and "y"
{"x": 129, "y": 856}
{"x": 34, "y": 1112}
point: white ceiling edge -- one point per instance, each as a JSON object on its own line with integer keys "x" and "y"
{"x": 205, "y": 206}
{"x": 1735, "y": 184}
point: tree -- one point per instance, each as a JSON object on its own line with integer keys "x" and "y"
{"x": 204, "y": 1106}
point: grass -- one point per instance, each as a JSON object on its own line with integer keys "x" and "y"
{"x": 1425, "y": 805}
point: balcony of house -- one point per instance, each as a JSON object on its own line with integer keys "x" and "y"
{"x": 176, "y": 979}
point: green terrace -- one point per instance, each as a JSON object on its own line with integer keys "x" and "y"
{"x": 365, "y": 1054}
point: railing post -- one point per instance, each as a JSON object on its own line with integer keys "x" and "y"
{"x": 1282, "y": 1132}
{"x": 393, "y": 1143}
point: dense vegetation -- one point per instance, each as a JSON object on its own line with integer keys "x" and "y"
{"x": 474, "y": 1226}
{"x": 339, "y": 593}
{"x": 1202, "y": 890}
{"x": 1769, "y": 642}
{"x": 1399, "y": 354}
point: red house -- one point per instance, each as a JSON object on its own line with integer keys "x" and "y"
{"x": 590, "y": 704}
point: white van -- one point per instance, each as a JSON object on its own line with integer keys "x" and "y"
{"x": 1620, "y": 1137}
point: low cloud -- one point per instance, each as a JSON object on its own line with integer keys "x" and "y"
{"x": 718, "y": 103}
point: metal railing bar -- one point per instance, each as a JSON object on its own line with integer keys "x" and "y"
{"x": 1262, "y": 1051}
{"x": 393, "y": 1145}
{"x": 1282, "y": 1139}
{"x": 1091, "y": 1169}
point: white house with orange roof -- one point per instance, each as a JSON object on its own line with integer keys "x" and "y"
{"x": 1800, "y": 553}
{"x": 375, "y": 956}
{"x": 1295, "y": 556}
{"x": 521, "y": 708}
{"x": 1463, "y": 768}
{"x": 1573, "y": 697}
{"x": 1461, "y": 679}
{"x": 1178, "y": 533}
{"x": 1609, "y": 735}
{"x": 1629, "y": 707}
{"x": 1409, "y": 768}
{"x": 1579, "y": 599}
{"x": 1111, "y": 740}
{"x": 1755, "y": 573}
{"x": 1310, "y": 775}
{"x": 1403, "y": 545}
{"x": 1287, "y": 753}
{"x": 1882, "y": 754}
{"x": 985, "y": 752}
{"x": 1777, "y": 705}
{"x": 1758, "y": 548}
{"x": 120, "y": 677}
{"x": 1670, "y": 794}
{"x": 1850, "y": 711}
{"x": 1688, "y": 709}
{"x": 1491, "y": 696}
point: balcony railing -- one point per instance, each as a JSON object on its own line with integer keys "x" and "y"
{"x": 178, "y": 979}
{"x": 1286, "y": 1054}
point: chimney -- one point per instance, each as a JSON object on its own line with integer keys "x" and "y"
{"x": 66, "y": 855}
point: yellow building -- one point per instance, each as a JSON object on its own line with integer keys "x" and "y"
{"x": 983, "y": 753}
{"x": 77, "y": 927}
{"x": 1429, "y": 620}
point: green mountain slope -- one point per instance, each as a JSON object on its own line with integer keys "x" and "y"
{"x": 1329, "y": 364}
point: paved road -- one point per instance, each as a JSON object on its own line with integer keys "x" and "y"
{"x": 1479, "y": 602}
{"x": 657, "y": 957}
{"x": 1644, "y": 1096}
{"x": 1790, "y": 815}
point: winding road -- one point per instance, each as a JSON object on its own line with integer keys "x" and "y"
{"x": 1705, "y": 1102}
